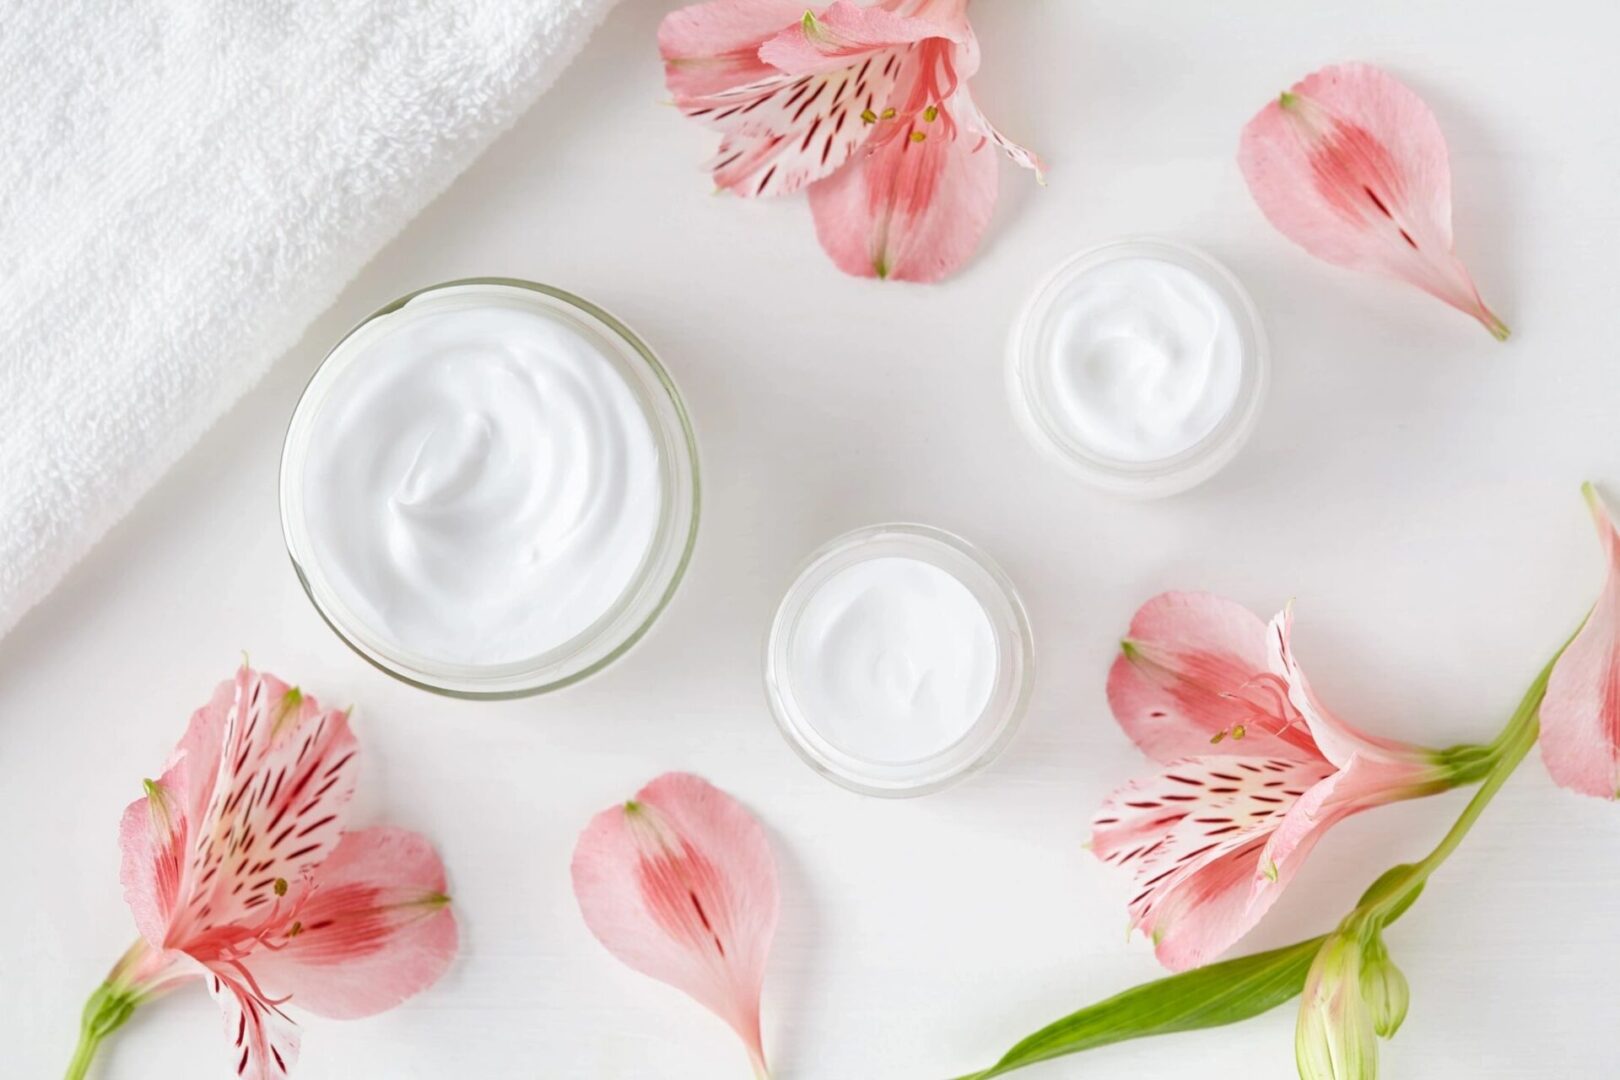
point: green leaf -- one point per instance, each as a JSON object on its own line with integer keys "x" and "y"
{"x": 1205, "y": 997}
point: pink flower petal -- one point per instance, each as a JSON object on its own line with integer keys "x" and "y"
{"x": 154, "y": 839}
{"x": 975, "y": 121}
{"x": 1580, "y": 716}
{"x": 789, "y": 131}
{"x": 1352, "y": 166}
{"x": 1193, "y": 837}
{"x": 1193, "y": 672}
{"x": 679, "y": 884}
{"x": 377, "y": 930}
{"x": 846, "y": 32}
{"x": 911, "y": 209}
{"x": 286, "y": 772}
{"x": 1338, "y": 741}
{"x": 264, "y": 1040}
{"x": 713, "y": 46}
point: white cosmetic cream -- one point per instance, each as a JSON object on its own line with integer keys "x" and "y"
{"x": 1140, "y": 365}
{"x": 489, "y": 488}
{"x": 894, "y": 658}
{"x": 899, "y": 660}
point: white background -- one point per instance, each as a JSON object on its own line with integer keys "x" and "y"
{"x": 1412, "y": 483}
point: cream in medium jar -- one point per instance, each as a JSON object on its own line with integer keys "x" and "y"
{"x": 1139, "y": 365}
{"x": 490, "y": 488}
{"x": 899, "y": 661}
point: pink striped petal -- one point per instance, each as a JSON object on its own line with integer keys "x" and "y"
{"x": 788, "y": 131}
{"x": 709, "y": 47}
{"x": 376, "y": 931}
{"x": 154, "y": 838}
{"x": 264, "y": 1040}
{"x": 913, "y": 209}
{"x": 1193, "y": 837}
{"x": 679, "y": 884}
{"x": 1352, "y": 166}
{"x": 1580, "y": 716}
{"x": 1193, "y": 672}
{"x": 287, "y": 769}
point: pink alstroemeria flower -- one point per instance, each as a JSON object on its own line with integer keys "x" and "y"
{"x": 679, "y": 884}
{"x": 1580, "y": 716}
{"x": 869, "y": 106}
{"x": 1256, "y": 770}
{"x": 1352, "y": 166}
{"x": 239, "y": 872}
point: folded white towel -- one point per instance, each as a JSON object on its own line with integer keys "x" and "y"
{"x": 183, "y": 188}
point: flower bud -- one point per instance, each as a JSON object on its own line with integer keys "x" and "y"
{"x": 1335, "y": 1037}
{"x": 1384, "y": 989}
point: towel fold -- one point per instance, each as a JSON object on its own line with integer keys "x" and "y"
{"x": 184, "y": 188}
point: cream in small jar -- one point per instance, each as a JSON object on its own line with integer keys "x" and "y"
{"x": 1140, "y": 365}
{"x": 479, "y": 484}
{"x": 899, "y": 660}
{"x": 894, "y": 659}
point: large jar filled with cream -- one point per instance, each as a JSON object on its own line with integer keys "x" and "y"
{"x": 490, "y": 488}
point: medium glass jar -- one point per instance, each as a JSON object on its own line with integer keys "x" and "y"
{"x": 489, "y": 488}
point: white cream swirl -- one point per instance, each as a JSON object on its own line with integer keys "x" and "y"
{"x": 1142, "y": 359}
{"x": 482, "y": 484}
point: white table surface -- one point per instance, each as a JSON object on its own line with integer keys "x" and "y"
{"x": 1412, "y": 484}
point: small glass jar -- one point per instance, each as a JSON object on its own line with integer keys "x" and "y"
{"x": 1036, "y": 399}
{"x": 1004, "y": 703}
{"x": 651, "y": 586}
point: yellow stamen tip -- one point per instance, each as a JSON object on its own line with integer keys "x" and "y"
{"x": 931, "y": 113}
{"x": 888, "y": 114}
{"x": 869, "y": 116}
{"x": 280, "y": 886}
{"x": 917, "y": 136}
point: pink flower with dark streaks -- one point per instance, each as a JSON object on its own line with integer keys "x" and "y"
{"x": 868, "y": 107}
{"x": 1352, "y": 166}
{"x": 679, "y": 884}
{"x": 240, "y": 873}
{"x": 1256, "y": 770}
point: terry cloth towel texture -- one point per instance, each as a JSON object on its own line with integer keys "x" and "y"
{"x": 184, "y": 187}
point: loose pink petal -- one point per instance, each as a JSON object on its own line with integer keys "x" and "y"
{"x": 1352, "y": 166}
{"x": 709, "y": 47}
{"x": 264, "y": 1040}
{"x": 1193, "y": 837}
{"x": 1193, "y": 672}
{"x": 913, "y": 209}
{"x": 1580, "y": 716}
{"x": 845, "y": 32}
{"x": 377, "y": 930}
{"x": 679, "y": 884}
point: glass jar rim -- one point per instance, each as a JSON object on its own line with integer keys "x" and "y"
{"x": 1009, "y": 696}
{"x": 624, "y": 623}
{"x": 1142, "y": 479}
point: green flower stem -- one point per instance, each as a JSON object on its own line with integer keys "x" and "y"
{"x": 131, "y": 981}
{"x": 1393, "y": 893}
